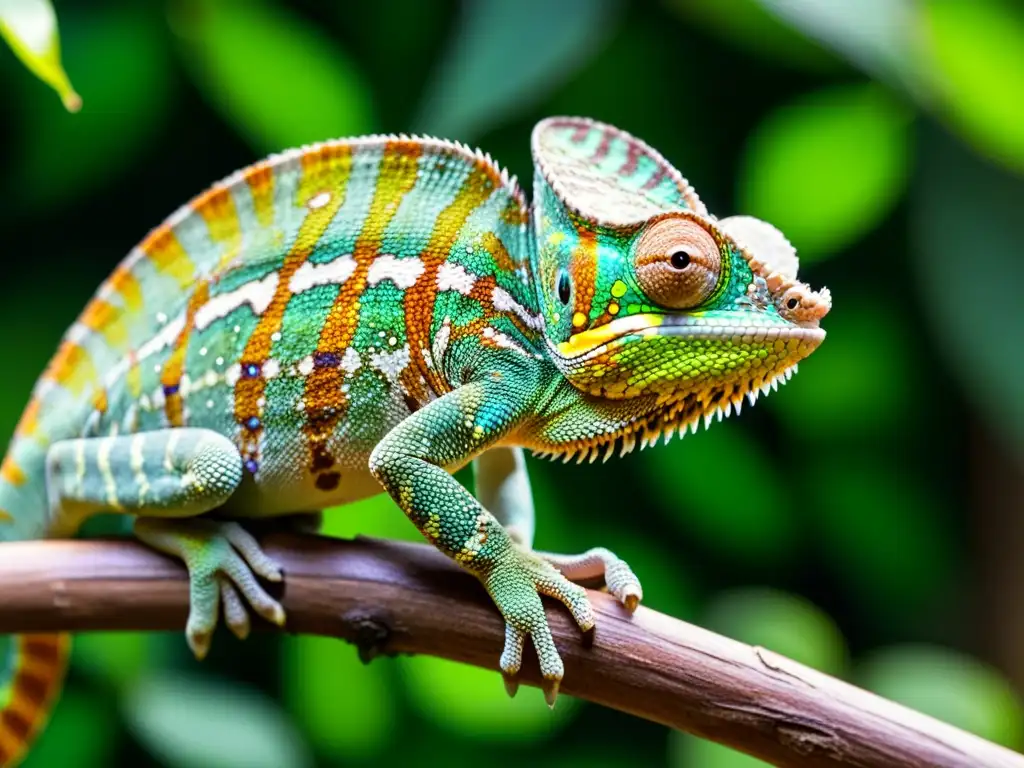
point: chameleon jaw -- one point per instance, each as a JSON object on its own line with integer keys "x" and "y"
{"x": 666, "y": 419}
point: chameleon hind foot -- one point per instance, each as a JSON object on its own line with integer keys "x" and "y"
{"x": 223, "y": 560}
{"x": 600, "y": 563}
{"x": 515, "y": 584}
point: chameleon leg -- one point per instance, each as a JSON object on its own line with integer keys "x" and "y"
{"x": 167, "y": 478}
{"x": 503, "y": 487}
{"x": 410, "y": 463}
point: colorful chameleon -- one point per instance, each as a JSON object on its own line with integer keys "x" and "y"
{"x": 373, "y": 314}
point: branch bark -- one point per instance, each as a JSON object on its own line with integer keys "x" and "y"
{"x": 391, "y": 597}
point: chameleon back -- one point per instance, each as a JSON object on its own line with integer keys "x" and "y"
{"x": 274, "y": 308}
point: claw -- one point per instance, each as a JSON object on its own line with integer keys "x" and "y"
{"x": 235, "y": 615}
{"x": 631, "y": 600}
{"x": 511, "y": 684}
{"x": 550, "y": 687}
{"x": 198, "y": 642}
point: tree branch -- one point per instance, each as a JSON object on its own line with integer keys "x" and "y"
{"x": 392, "y": 597}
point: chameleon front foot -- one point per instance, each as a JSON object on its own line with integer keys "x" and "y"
{"x": 223, "y": 560}
{"x": 515, "y": 584}
{"x": 600, "y": 563}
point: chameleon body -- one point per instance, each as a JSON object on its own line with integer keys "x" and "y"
{"x": 372, "y": 314}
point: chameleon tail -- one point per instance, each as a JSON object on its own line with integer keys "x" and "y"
{"x": 31, "y": 681}
{"x": 31, "y": 685}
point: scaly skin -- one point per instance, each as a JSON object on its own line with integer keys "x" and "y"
{"x": 373, "y": 314}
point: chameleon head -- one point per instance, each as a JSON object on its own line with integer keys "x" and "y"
{"x": 648, "y": 297}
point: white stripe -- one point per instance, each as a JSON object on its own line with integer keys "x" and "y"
{"x": 257, "y": 294}
{"x": 309, "y": 274}
{"x": 163, "y": 339}
{"x": 454, "y": 277}
{"x": 403, "y": 272}
{"x": 137, "y": 465}
{"x": 503, "y": 302}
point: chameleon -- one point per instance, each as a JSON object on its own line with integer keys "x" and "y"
{"x": 373, "y": 314}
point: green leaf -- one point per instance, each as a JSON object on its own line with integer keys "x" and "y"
{"x": 875, "y": 35}
{"x": 81, "y": 732}
{"x": 975, "y": 54}
{"x": 472, "y": 702}
{"x": 503, "y": 59}
{"x": 276, "y": 77}
{"x": 967, "y": 230}
{"x": 119, "y": 59}
{"x": 861, "y": 381}
{"x": 784, "y": 623}
{"x": 949, "y": 686}
{"x": 747, "y": 24}
{"x": 185, "y": 720}
{"x": 720, "y": 487}
{"x": 355, "y": 726}
{"x": 30, "y": 28}
{"x": 828, "y": 167}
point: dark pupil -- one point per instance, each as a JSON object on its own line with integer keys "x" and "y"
{"x": 563, "y": 287}
{"x": 792, "y": 303}
{"x": 680, "y": 259}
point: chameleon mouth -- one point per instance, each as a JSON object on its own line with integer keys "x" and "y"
{"x": 733, "y": 326}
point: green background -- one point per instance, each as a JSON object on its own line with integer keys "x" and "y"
{"x": 865, "y": 520}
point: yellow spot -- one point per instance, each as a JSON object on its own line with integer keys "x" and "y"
{"x": 579, "y": 320}
{"x": 12, "y": 473}
{"x": 613, "y": 308}
{"x": 618, "y": 289}
{"x": 556, "y": 237}
{"x": 556, "y": 317}
{"x": 478, "y": 431}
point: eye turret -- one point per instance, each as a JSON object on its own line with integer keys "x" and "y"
{"x": 677, "y": 263}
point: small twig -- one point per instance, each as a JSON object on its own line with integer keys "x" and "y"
{"x": 391, "y": 597}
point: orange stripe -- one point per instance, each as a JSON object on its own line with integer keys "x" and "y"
{"x": 102, "y": 317}
{"x": 124, "y": 282}
{"x": 323, "y": 399}
{"x": 40, "y": 662}
{"x": 324, "y": 170}
{"x": 260, "y": 179}
{"x": 583, "y": 266}
{"x": 217, "y": 208}
{"x": 170, "y": 376}
{"x": 420, "y": 299}
{"x": 71, "y": 367}
{"x": 166, "y": 252}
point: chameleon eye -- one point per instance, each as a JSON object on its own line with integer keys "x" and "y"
{"x": 677, "y": 263}
{"x": 564, "y": 288}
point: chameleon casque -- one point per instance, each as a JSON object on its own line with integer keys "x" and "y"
{"x": 372, "y": 314}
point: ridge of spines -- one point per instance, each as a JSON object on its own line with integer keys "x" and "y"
{"x": 643, "y": 432}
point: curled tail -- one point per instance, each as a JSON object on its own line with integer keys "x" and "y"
{"x": 32, "y": 683}
{"x": 32, "y": 677}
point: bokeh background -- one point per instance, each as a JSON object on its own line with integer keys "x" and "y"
{"x": 865, "y": 520}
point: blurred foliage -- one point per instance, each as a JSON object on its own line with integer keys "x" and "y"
{"x": 833, "y": 523}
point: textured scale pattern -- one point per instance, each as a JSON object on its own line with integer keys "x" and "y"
{"x": 372, "y": 314}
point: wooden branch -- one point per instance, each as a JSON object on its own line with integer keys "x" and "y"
{"x": 391, "y": 597}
